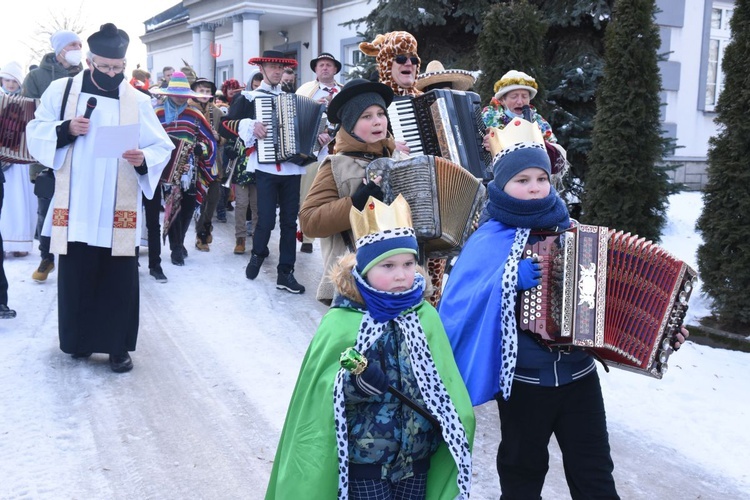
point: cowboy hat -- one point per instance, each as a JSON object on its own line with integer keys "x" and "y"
{"x": 435, "y": 73}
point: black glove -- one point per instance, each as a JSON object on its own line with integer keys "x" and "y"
{"x": 529, "y": 274}
{"x": 372, "y": 381}
{"x": 230, "y": 153}
{"x": 363, "y": 192}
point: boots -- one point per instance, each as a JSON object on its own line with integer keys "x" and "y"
{"x": 201, "y": 241}
{"x": 239, "y": 248}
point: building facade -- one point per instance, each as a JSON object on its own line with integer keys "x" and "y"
{"x": 217, "y": 37}
{"x": 693, "y": 36}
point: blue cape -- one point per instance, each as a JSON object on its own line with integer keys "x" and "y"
{"x": 471, "y": 309}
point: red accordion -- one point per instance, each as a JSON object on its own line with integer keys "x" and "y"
{"x": 616, "y": 293}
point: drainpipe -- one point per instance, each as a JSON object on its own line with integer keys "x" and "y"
{"x": 320, "y": 26}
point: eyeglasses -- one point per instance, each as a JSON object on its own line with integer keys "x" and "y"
{"x": 106, "y": 68}
{"x": 401, "y": 59}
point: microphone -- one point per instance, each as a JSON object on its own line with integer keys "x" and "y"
{"x": 526, "y": 111}
{"x": 90, "y": 105}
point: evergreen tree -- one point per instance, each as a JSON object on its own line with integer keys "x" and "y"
{"x": 724, "y": 256}
{"x": 446, "y": 30}
{"x": 512, "y": 38}
{"x": 574, "y": 61}
{"x": 625, "y": 187}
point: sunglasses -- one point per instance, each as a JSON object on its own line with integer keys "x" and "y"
{"x": 401, "y": 59}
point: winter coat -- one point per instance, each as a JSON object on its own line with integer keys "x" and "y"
{"x": 325, "y": 210}
{"x": 307, "y": 455}
{"x": 37, "y": 81}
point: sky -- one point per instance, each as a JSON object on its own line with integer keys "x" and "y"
{"x": 129, "y": 16}
{"x": 218, "y": 355}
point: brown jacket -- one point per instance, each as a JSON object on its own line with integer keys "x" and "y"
{"x": 325, "y": 210}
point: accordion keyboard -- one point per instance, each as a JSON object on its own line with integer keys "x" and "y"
{"x": 264, "y": 113}
{"x": 404, "y": 124}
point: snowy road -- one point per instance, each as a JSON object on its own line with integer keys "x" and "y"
{"x": 200, "y": 414}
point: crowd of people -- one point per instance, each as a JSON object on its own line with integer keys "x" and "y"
{"x": 383, "y": 404}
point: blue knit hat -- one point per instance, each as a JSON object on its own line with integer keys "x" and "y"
{"x": 383, "y": 245}
{"x": 512, "y": 162}
{"x": 382, "y": 231}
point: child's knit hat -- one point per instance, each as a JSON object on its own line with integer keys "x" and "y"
{"x": 357, "y": 95}
{"x": 522, "y": 147}
{"x": 382, "y": 231}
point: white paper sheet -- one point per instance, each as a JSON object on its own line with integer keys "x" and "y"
{"x": 113, "y": 141}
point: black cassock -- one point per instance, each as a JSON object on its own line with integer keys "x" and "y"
{"x": 98, "y": 300}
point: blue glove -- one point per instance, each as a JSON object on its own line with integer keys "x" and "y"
{"x": 529, "y": 274}
{"x": 372, "y": 381}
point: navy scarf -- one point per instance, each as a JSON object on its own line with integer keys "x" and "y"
{"x": 546, "y": 213}
{"x": 385, "y": 306}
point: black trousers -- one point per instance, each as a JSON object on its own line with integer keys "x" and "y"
{"x": 44, "y": 241}
{"x": 284, "y": 191}
{"x": 97, "y": 300}
{"x": 3, "y": 278}
{"x": 153, "y": 228}
{"x": 180, "y": 225}
{"x": 575, "y": 414}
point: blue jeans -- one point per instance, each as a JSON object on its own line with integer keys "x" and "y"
{"x": 281, "y": 190}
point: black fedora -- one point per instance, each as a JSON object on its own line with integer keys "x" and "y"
{"x": 325, "y": 55}
{"x": 354, "y": 88}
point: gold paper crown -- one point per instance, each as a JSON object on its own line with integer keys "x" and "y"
{"x": 377, "y": 216}
{"x": 516, "y": 132}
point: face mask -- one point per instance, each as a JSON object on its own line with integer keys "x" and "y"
{"x": 73, "y": 57}
{"x": 106, "y": 82}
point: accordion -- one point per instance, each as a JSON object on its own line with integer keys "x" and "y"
{"x": 446, "y": 123}
{"x": 292, "y": 122}
{"x": 616, "y": 293}
{"x": 445, "y": 199}
{"x": 179, "y": 161}
{"x": 15, "y": 112}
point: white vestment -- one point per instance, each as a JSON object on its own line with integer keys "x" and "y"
{"x": 94, "y": 180}
{"x": 18, "y": 219}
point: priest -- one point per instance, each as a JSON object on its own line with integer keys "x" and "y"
{"x": 96, "y": 209}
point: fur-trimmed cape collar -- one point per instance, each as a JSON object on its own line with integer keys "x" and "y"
{"x": 346, "y": 287}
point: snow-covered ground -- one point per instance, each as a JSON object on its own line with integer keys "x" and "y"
{"x": 200, "y": 414}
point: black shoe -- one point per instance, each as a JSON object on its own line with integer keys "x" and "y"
{"x": 230, "y": 207}
{"x": 6, "y": 312}
{"x": 306, "y": 248}
{"x": 80, "y": 355}
{"x": 286, "y": 281}
{"x": 177, "y": 259}
{"x": 253, "y": 267}
{"x": 120, "y": 363}
{"x": 158, "y": 274}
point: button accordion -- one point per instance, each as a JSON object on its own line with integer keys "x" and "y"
{"x": 445, "y": 199}
{"x": 292, "y": 123}
{"x": 446, "y": 123}
{"x": 15, "y": 112}
{"x": 616, "y": 293}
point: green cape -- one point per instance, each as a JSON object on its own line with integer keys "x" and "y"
{"x": 306, "y": 465}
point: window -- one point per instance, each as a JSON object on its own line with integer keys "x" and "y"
{"x": 719, "y": 38}
{"x": 353, "y": 57}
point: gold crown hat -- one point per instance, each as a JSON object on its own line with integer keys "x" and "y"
{"x": 382, "y": 230}
{"x": 517, "y": 133}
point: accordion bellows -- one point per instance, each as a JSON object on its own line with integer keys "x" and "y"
{"x": 616, "y": 293}
{"x": 445, "y": 199}
{"x": 15, "y": 113}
